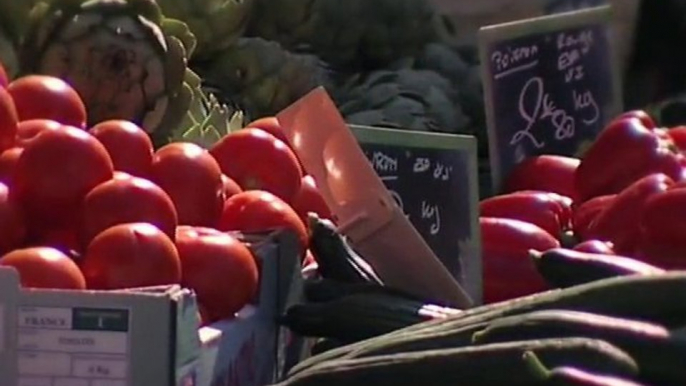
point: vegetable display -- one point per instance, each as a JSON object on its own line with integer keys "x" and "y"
{"x": 99, "y": 207}
{"x": 139, "y": 146}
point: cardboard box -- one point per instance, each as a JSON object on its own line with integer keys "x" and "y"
{"x": 116, "y": 338}
{"x": 9, "y": 295}
{"x": 146, "y": 336}
{"x": 252, "y": 350}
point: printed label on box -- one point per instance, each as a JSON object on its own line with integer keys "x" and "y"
{"x": 2, "y": 327}
{"x": 73, "y": 346}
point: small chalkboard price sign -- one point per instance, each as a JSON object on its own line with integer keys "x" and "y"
{"x": 433, "y": 178}
{"x": 550, "y": 85}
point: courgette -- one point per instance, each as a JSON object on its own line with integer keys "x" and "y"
{"x": 496, "y": 364}
{"x": 659, "y": 299}
{"x": 355, "y": 317}
{"x": 571, "y": 376}
{"x": 659, "y": 356}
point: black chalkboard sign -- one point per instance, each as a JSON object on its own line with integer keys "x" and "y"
{"x": 549, "y": 85}
{"x": 433, "y": 179}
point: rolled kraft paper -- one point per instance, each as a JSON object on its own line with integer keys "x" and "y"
{"x": 364, "y": 208}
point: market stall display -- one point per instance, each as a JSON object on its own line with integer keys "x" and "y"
{"x": 252, "y": 192}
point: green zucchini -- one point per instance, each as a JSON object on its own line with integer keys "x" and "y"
{"x": 659, "y": 356}
{"x": 496, "y": 365}
{"x": 571, "y": 376}
{"x": 659, "y": 299}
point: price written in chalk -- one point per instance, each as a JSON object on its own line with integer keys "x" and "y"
{"x": 550, "y": 86}
{"x": 536, "y": 104}
{"x": 387, "y": 166}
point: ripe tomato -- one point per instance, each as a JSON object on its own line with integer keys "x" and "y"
{"x": 8, "y": 162}
{"x": 131, "y": 255}
{"x": 56, "y": 171}
{"x": 124, "y": 200}
{"x": 229, "y": 187}
{"x": 271, "y": 125}
{"x": 4, "y": 79}
{"x": 259, "y": 211}
{"x": 44, "y": 267}
{"x": 129, "y": 146}
{"x": 219, "y": 268}
{"x": 8, "y": 120}
{"x": 28, "y": 130}
{"x": 309, "y": 199}
{"x": 12, "y": 222}
{"x": 192, "y": 178}
{"x": 47, "y": 97}
{"x": 257, "y": 160}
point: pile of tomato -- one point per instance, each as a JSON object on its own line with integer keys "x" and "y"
{"x": 99, "y": 208}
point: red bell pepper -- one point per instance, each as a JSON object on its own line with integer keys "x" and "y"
{"x": 641, "y": 115}
{"x": 508, "y": 272}
{"x": 665, "y": 256}
{"x": 596, "y": 246}
{"x": 535, "y": 208}
{"x": 663, "y": 219}
{"x": 619, "y": 222}
{"x": 549, "y": 173}
{"x": 678, "y": 135}
{"x": 585, "y": 213}
{"x": 624, "y": 152}
{"x": 566, "y": 204}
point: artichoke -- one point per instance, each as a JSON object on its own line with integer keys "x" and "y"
{"x": 123, "y": 58}
{"x": 461, "y": 68}
{"x": 410, "y": 99}
{"x": 558, "y": 6}
{"x": 261, "y": 77}
{"x": 348, "y": 34}
{"x": 215, "y": 23}
{"x": 207, "y": 120}
{"x": 14, "y": 16}
{"x": 8, "y": 54}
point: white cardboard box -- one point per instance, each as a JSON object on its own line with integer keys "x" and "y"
{"x": 252, "y": 350}
{"x": 144, "y": 337}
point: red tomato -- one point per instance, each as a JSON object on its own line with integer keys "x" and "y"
{"x": 271, "y": 125}
{"x": 129, "y": 146}
{"x": 230, "y": 187}
{"x": 257, "y": 160}
{"x": 192, "y": 178}
{"x": 4, "y": 79}
{"x": 28, "y": 130}
{"x": 44, "y": 267}
{"x": 56, "y": 171}
{"x": 124, "y": 200}
{"x": 47, "y": 97}
{"x": 8, "y": 162}
{"x": 12, "y": 222}
{"x": 219, "y": 268}
{"x": 131, "y": 255}
{"x": 8, "y": 120}
{"x": 259, "y": 211}
{"x": 678, "y": 135}
{"x": 309, "y": 199}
